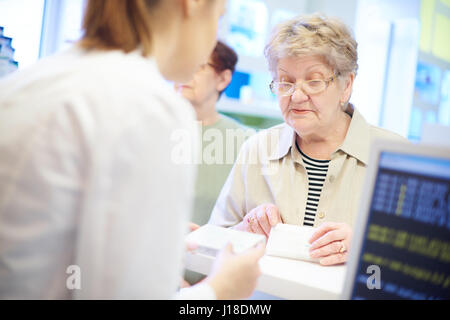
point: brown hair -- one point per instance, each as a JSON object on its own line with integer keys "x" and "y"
{"x": 224, "y": 57}
{"x": 118, "y": 24}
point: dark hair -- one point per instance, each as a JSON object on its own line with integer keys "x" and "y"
{"x": 118, "y": 24}
{"x": 223, "y": 58}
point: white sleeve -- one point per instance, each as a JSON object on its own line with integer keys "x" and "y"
{"x": 95, "y": 188}
{"x": 40, "y": 177}
{"x": 133, "y": 223}
{"x": 201, "y": 291}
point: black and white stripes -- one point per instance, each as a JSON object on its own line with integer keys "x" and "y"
{"x": 317, "y": 172}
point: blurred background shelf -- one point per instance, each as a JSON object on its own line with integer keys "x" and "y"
{"x": 262, "y": 109}
{"x": 260, "y": 115}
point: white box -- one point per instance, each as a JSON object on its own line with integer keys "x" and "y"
{"x": 211, "y": 239}
{"x": 290, "y": 241}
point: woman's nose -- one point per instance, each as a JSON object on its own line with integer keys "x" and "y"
{"x": 299, "y": 95}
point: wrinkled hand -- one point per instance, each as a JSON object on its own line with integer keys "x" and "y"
{"x": 234, "y": 276}
{"x": 260, "y": 220}
{"x": 330, "y": 243}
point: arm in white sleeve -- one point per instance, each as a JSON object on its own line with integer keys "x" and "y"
{"x": 87, "y": 179}
{"x": 132, "y": 228}
{"x": 41, "y": 171}
{"x": 201, "y": 291}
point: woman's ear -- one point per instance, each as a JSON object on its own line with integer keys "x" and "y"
{"x": 348, "y": 87}
{"x": 225, "y": 78}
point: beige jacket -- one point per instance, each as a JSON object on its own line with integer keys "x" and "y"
{"x": 270, "y": 169}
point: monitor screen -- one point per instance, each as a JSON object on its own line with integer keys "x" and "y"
{"x": 406, "y": 245}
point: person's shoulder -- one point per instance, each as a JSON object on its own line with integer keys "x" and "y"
{"x": 101, "y": 87}
{"x": 381, "y": 133}
{"x": 128, "y": 83}
{"x": 35, "y": 79}
{"x": 230, "y": 123}
{"x": 72, "y": 72}
{"x": 138, "y": 88}
{"x": 372, "y": 132}
{"x": 277, "y": 130}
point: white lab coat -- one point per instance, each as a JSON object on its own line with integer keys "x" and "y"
{"x": 87, "y": 179}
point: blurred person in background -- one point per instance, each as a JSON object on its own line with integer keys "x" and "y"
{"x": 92, "y": 206}
{"x": 220, "y": 136}
{"x": 309, "y": 170}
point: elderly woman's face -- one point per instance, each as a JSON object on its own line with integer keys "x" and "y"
{"x": 310, "y": 114}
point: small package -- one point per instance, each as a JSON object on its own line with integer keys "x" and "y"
{"x": 211, "y": 239}
{"x": 289, "y": 241}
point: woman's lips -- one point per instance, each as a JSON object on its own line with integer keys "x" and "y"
{"x": 300, "y": 111}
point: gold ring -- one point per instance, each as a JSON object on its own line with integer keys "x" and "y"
{"x": 343, "y": 248}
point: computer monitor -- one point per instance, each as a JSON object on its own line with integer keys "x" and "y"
{"x": 401, "y": 243}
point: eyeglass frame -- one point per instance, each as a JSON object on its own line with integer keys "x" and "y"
{"x": 295, "y": 86}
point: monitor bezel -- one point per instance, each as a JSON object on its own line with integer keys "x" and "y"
{"x": 377, "y": 147}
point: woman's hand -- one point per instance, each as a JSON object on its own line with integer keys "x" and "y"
{"x": 234, "y": 276}
{"x": 189, "y": 248}
{"x": 193, "y": 226}
{"x": 260, "y": 220}
{"x": 192, "y": 246}
{"x": 330, "y": 243}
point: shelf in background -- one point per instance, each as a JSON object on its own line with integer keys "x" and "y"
{"x": 262, "y": 109}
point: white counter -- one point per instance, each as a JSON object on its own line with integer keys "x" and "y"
{"x": 286, "y": 278}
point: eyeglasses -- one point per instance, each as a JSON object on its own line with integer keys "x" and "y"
{"x": 310, "y": 87}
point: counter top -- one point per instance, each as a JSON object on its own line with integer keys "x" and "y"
{"x": 287, "y": 278}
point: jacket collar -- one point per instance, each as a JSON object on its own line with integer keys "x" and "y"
{"x": 356, "y": 142}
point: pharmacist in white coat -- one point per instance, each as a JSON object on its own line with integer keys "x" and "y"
{"x": 93, "y": 204}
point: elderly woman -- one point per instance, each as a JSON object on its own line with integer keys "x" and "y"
{"x": 309, "y": 170}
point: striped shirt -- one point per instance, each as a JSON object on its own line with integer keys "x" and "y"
{"x": 317, "y": 172}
